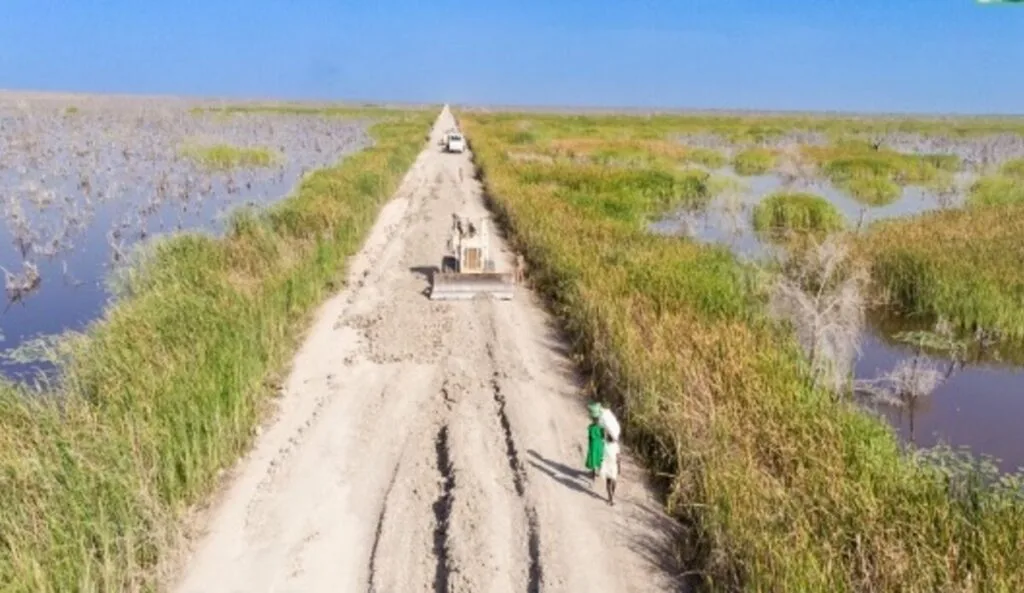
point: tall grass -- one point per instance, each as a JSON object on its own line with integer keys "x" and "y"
{"x": 964, "y": 265}
{"x": 166, "y": 389}
{"x": 797, "y": 211}
{"x": 785, "y": 487}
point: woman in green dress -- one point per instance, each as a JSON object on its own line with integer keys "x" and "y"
{"x": 595, "y": 441}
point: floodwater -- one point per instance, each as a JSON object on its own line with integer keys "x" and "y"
{"x": 727, "y": 219}
{"x": 82, "y": 192}
{"x": 977, "y": 407}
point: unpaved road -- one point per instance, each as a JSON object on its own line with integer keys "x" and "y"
{"x": 428, "y": 446}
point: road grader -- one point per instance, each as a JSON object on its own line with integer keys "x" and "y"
{"x": 469, "y": 270}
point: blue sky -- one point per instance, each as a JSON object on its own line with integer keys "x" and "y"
{"x": 866, "y": 55}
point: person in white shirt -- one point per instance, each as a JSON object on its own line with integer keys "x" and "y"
{"x": 611, "y": 464}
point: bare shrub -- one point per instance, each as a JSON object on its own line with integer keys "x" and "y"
{"x": 821, "y": 293}
{"x": 917, "y": 377}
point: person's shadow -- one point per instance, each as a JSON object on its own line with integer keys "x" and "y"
{"x": 563, "y": 474}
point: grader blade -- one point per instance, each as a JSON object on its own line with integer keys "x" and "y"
{"x": 448, "y": 286}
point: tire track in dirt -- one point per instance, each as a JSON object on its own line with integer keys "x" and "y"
{"x": 535, "y": 570}
{"x": 443, "y": 511}
{"x": 371, "y": 586}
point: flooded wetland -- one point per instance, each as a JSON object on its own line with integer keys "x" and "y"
{"x": 974, "y": 402}
{"x": 88, "y": 183}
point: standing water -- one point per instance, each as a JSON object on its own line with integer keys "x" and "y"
{"x": 84, "y": 187}
{"x": 979, "y": 403}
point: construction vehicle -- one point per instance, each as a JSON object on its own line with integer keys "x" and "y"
{"x": 469, "y": 270}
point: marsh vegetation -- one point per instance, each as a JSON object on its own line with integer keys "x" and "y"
{"x": 758, "y": 369}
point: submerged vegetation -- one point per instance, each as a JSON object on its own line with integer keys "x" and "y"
{"x": 224, "y": 157}
{"x": 786, "y": 484}
{"x": 165, "y": 391}
{"x": 81, "y": 194}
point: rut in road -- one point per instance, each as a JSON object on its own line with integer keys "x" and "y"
{"x": 428, "y": 446}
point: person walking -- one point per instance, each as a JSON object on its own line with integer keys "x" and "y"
{"x": 610, "y": 464}
{"x": 595, "y": 447}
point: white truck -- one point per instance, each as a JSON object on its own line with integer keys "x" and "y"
{"x": 454, "y": 142}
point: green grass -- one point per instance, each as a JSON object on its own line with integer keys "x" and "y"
{"x": 784, "y": 487}
{"x": 802, "y": 212}
{"x": 996, "y": 190}
{"x": 711, "y": 159}
{"x": 1013, "y": 169}
{"x": 754, "y": 161}
{"x": 167, "y": 388}
{"x": 597, "y": 189}
{"x": 876, "y": 177}
{"x": 225, "y": 157}
{"x": 739, "y": 129}
{"x": 873, "y": 191}
{"x": 965, "y": 265}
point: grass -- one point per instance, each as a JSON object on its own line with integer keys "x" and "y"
{"x": 165, "y": 390}
{"x": 997, "y": 190}
{"x": 597, "y": 189}
{"x": 797, "y": 211}
{"x": 875, "y": 177}
{"x": 1014, "y": 169}
{"x": 224, "y": 157}
{"x": 873, "y": 190}
{"x": 784, "y": 487}
{"x": 706, "y": 157}
{"x": 754, "y": 161}
{"x": 966, "y": 265}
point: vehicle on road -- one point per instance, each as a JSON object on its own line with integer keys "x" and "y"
{"x": 455, "y": 142}
{"x": 469, "y": 270}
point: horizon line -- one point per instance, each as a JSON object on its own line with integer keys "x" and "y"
{"x": 509, "y": 107}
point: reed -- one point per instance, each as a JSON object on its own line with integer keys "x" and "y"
{"x": 963, "y": 265}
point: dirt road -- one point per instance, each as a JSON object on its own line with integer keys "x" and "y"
{"x": 428, "y": 446}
